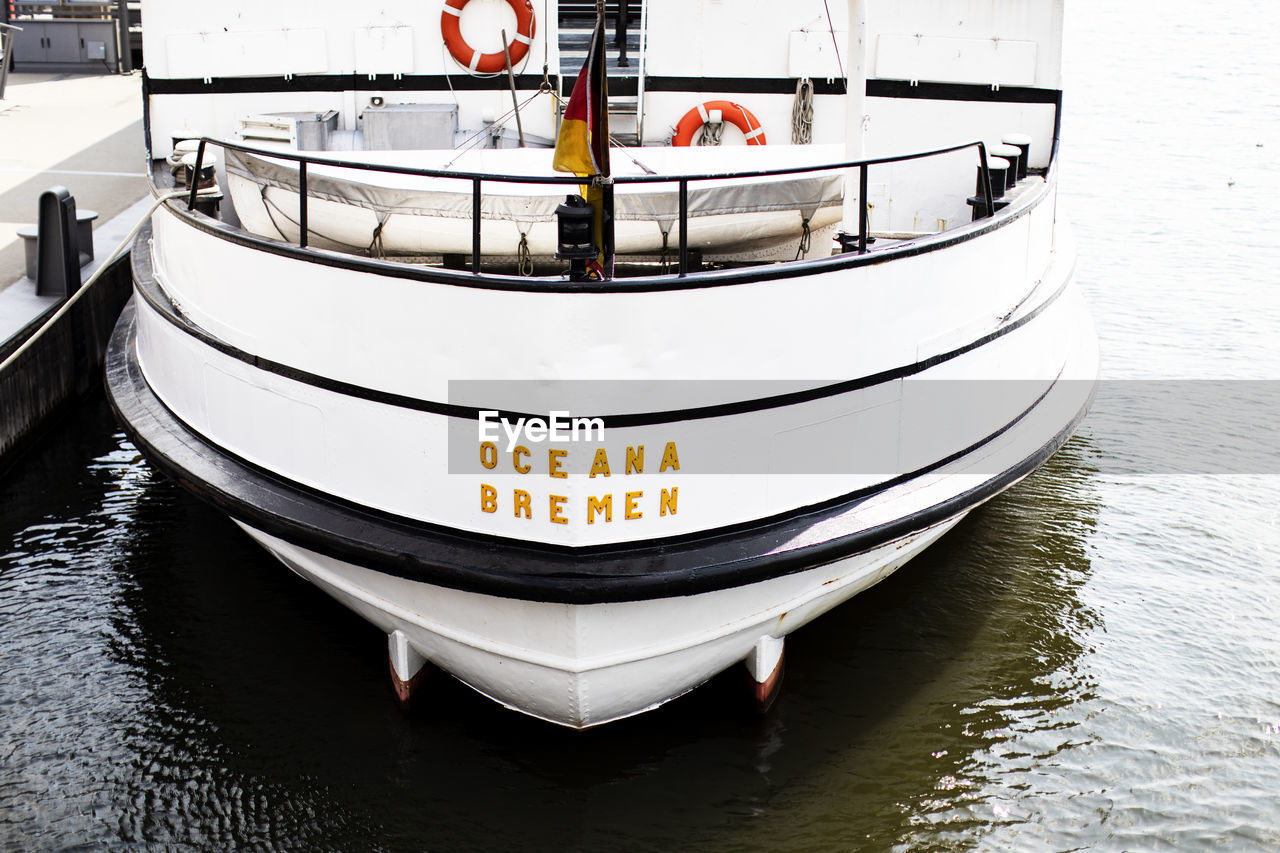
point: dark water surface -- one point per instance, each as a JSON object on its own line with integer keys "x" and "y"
{"x": 166, "y": 680}
{"x": 1090, "y": 661}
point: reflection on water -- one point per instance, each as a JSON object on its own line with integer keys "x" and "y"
{"x": 167, "y": 681}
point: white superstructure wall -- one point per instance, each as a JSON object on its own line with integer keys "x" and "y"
{"x": 298, "y": 40}
{"x": 983, "y": 43}
{"x": 936, "y": 70}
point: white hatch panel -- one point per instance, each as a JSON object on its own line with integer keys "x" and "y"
{"x": 986, "y": 61}
{"x": 384, "y": 50}
{"x": 813, "y": 54}
{"x": 256, "y": 53}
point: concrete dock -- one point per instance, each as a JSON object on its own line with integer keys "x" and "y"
{"x": 83, "y": 132}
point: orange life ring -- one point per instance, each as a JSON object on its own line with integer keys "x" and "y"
{"x": 736, "y": 114}
{"x": 487, "y": 63}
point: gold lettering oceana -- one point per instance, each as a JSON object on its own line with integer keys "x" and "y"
{"x": 599, "y": 463}
{"x": 554, "y": 457}
{"x": 669, "y": 458}
{"x": 598, "y": 507}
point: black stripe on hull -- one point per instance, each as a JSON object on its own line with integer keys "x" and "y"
{"x": 687, "y": 565}
{"x": 462, "y": 82}
{"x": 625, "y": 85}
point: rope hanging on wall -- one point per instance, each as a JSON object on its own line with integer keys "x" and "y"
{"x": 802, "y": 113}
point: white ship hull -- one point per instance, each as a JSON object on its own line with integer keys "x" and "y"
{"x": 362, "y": 356}
{"x": 585, "y": 665}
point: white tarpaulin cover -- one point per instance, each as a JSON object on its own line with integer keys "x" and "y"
{"x": 407, "y": 214}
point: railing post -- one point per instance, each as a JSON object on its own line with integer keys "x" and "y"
{"x": 620, "y": 33}
{"x": 862, "y": 208}
{"x": 302, "y": 204}
{"x": 195, "y": 176}
{"x": 986, "y": 181}
{"x": 684, "y": 226}
{"x": 475, "y": 225}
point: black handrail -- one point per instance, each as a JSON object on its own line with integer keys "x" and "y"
{"x": 297, "y": 156}
{"x": 987, "y": 195}
{"x": 194, "y": 178}
{"x": 862, "y": 209}
{"x": 475, "y": 222}
{"x": 684, "y": 226}
{"x": 302, "y": 204}
{"x": 683, "y": 181}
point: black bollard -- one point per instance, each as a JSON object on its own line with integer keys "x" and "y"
{"x": 1022, "y": 141}
{"x": 57, "y": 244}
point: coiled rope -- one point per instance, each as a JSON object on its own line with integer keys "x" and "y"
{"x": 806, "y": 239}
{"x": 712, "y": 133}
{"x": 524, "y": 257}
{"x": 802, "y": 113}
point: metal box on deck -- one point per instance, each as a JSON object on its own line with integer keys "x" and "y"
{"x": 309, "y": 131}
{"x": 409, "y": 126}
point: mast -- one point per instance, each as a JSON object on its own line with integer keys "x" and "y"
{"x": 605, "y": 180}
{"x": 855, "y": 112}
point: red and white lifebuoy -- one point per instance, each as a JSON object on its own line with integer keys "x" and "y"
{"x": 715, "y": 111}
{"x": 487, "y": 63}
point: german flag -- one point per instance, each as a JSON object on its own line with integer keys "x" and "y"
{"x": 582, "y": 146}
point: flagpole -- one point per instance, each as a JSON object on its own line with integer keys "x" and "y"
{"x": 606, "y": 180}
{"x": 582, "y": 147}
{"x": 855, "y": 123}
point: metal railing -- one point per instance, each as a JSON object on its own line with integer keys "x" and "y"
{"x": 6, "y": 53}
{"x": 32, "y": 9}
{"x": 477, "y": 180}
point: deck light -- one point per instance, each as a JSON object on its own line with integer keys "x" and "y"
{"x": 575, "y": 221}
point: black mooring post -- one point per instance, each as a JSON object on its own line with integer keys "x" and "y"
{"x": 57, "y": 244}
